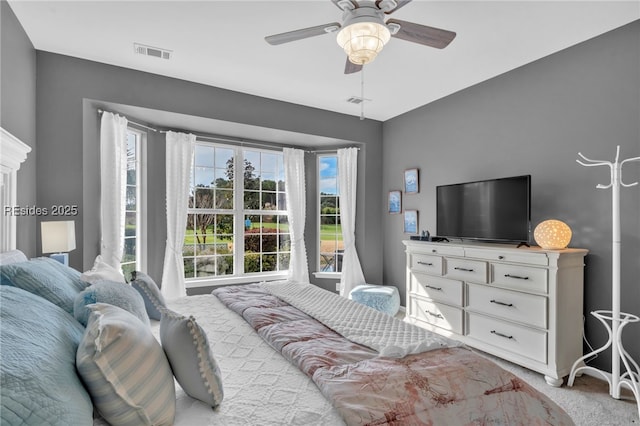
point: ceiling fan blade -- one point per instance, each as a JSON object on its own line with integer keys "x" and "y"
{"x": 350, "y": 67}
{"x": 341, "y": 7}
{"x": 399, "y": 3}
{"x": 421, "y": 34}
{"x": 302, "y": 33}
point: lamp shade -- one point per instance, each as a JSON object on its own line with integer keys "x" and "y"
{"x": 58, "y": 237}
{"x": 362, "y": 41}
{"x": 552, "y": 234}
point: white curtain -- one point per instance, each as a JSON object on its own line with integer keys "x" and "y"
{"x": 296, "y": 210}
{"x": 178, "y": 164}
{"x": 113, "y": 180}
{"x": 351, "y": 275}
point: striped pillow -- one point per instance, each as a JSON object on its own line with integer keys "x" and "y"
{"x": 190, "y": 356}
{"x": 125, "y": 369}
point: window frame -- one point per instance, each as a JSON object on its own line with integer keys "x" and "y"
{"x": 141, "y": 200}
{"x": 239, "y": 213}
{"x": 319, "y": 272}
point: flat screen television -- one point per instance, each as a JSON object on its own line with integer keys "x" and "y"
{"x": 491, "y": 210}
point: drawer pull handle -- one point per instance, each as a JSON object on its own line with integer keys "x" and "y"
{"x": 502, "y": 303}
{"x": 434, "y": 251}
{"x": 517, "y": 277}
{"x": 500, "y": 257}
{"x": 501, "y": 335}
{"x": 433, "y": 288}
{"x": 425, "y": 263}
{"x": 434, "y": 315}
{"x": 457, "y": 268}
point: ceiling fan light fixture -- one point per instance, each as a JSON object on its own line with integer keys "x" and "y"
{"x": 362, "y": 41}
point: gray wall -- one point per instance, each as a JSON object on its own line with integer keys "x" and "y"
{"x": 18, "y": 114}
{"x": 68, "y": 166}
{"x": 534, "y": 120}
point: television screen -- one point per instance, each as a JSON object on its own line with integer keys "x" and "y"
{"x": 493, "y": 210}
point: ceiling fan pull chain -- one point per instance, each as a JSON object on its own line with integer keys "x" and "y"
{"x": 362, "y": 93}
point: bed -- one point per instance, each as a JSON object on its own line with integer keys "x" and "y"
{"x": 285, "y": 353}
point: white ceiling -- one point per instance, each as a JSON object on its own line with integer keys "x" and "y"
{"x": 221, "y": 43}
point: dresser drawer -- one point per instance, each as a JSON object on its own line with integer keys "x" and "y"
{"x": 437, "y": 288}
{"x": 529, "y": 309}
{"x": 520, "y": 277}
{"x": 466, "y": 270}
{"x": 443, "y": 316}
{"x": 519, "y": 340}
{"x": 426, "y": 263}
{"x": 525, "y": 256}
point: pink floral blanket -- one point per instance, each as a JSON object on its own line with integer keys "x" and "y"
{"x": 442, "y": 386}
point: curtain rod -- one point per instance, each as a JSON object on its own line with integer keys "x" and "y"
{"x": 100, "y": 111}
{"x": 241, "y": 142}
{"x": 325, "y": 151}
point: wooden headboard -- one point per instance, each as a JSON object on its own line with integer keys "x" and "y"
{"x": 12, "y": 153}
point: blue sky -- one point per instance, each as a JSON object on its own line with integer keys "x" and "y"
{"x": 328, "y": 174}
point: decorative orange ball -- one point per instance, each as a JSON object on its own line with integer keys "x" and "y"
{"x": 552, "y": 234}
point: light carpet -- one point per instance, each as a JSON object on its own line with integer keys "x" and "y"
{"x": 587, "y": 401}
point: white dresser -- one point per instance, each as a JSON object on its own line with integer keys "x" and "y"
{"x": 521, "y": 304}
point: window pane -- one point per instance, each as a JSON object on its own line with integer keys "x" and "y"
{"x": 131, "y": 197}
{"x": 224, "y": 199}
{"x": 189, "y": 267}
{"x": 203, "y": 198}
{"x": 204, "y": 177}
{"x": 269, "y": 242}
{"x": 328, "y": 175}
{"x": 284, "y": 242}
{"x": 269, "y": 262}
{"x": 224, "y": 225}
{"x": 129, "y": 253}
{"x": 284, "y": 260}
{"x": 251, "y": 262}
{"x": 203, "y": 155}
{"x": 224, "y": 159}
{"x": 282, "y": 201}
{"x": 252, "y": 242}
{"x": 131, "y": 158}
{"x": 190, "y": 226}
{"x": 268, "y": 181}
{"x": 268, "y": 201}
{"x": 130, "y": 224}
{"x": 225, "y": 265}
{"x": 205, "y": 266}
{"x": 223, "y": 179}
{"x": 251, "y": 200}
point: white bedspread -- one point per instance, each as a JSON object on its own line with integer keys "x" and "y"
{"x": 260, "y": 386}
{"x": 358, "y": 323}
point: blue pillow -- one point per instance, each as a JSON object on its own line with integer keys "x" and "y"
{"x": 113, "y": 293}
{"x": 37, "y": 370}
{"x": 191, "y": 358}
{"x": 148, "y": 289}
{"x": 43, "y": 277}
{"x": 72, "y": 275}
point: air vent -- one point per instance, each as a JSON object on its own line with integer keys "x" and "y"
{"x": 156, "y": 52}
{"x": 357, "y": 100}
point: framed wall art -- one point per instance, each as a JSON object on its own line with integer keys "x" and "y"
{"x": 395, "y": 202}
{"x": 411, "y": 221}
{"x": 411, "y": 181}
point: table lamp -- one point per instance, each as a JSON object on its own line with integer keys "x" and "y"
{"x": 58, "y": 238}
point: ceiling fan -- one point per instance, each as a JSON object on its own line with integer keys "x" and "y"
{"x": 363, "y": 31}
